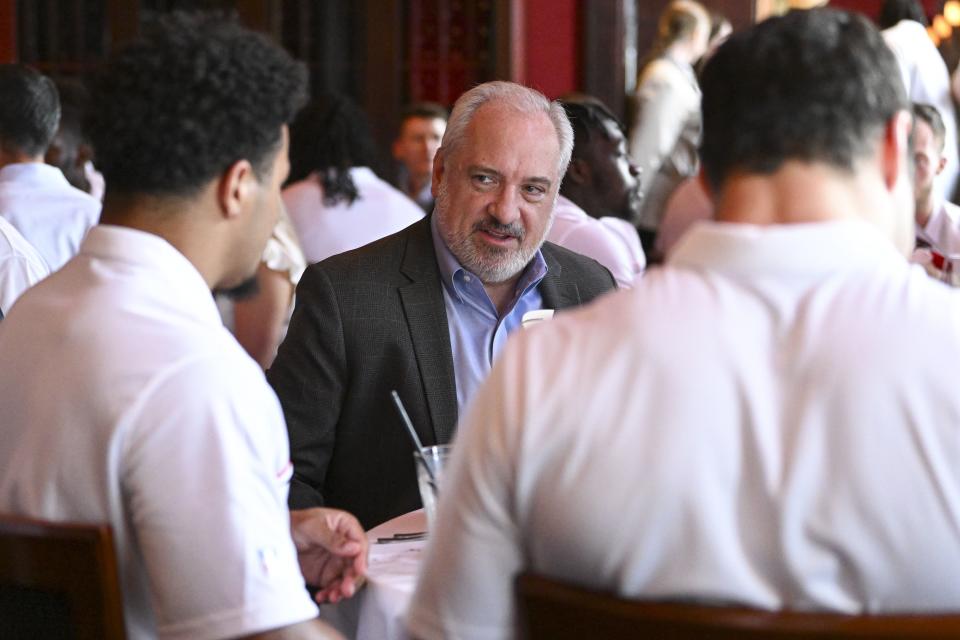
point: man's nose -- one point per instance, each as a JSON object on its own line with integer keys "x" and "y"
{"x": 504, "y": 207}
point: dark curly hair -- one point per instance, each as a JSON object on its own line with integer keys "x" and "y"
{"x": 29, "y": 110}
{"x": 328, "y": 137}
{"x": 813, "y": 86}
{"x": 196, "y": 93}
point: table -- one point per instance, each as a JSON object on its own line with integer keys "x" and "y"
{"x": 377, "y": 611}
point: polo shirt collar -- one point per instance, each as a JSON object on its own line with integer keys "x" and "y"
{"x": 159, "y": 266}
{"x": 33, "y": 174}
{"x": 804, "y": 248}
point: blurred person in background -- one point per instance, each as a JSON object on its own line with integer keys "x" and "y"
{"x": 925, "y": 77}
{"x": 600, "y": 193}
{"x": 333, "y": 196}
{"x": 938, "y": 219}
{"x": 35, "y": 197}
{"x": 666, "y": 123}
{"x": 71, "y": 150}
{"x": 421, "y": 129}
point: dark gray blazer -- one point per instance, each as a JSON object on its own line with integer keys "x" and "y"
{"x": 366, "y": 322}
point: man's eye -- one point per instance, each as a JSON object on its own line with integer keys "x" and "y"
{"x": 534, "y": 191}
{"x": 483, "y": 179}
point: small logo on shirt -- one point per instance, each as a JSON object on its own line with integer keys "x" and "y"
{"x": 268, "y": 558}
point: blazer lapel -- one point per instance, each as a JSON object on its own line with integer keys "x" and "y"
{"x": 426, "y": 315}
{"x": 557, "y": 293}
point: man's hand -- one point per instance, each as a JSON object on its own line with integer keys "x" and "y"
{"x": 332, "y": 550}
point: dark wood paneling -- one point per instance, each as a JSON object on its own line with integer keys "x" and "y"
{"x": 383, "y": 87}
{"x": 508, "y": 41}
{"x": 603, "y": 68}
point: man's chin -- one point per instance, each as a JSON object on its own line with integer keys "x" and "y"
{"x": 246, "y": 289}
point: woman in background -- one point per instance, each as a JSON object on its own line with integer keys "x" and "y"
{"x": 666, "y": 129}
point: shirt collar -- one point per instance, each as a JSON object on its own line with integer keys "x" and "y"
{"x": 33, "y": 174}
{"x": 805, "y": 248}
{"x": 449, "y": 266}
{"x": 159, "y": 261}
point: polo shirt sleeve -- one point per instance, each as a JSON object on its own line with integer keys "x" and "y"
{"x": 17, "y": 274}
{"x": 466, "y": 587}
{"x": 205, "y": 471}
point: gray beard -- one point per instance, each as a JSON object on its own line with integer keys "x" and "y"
{"x": 490, "y": 264}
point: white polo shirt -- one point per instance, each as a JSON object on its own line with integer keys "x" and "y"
{"x": 771, "y": 419}
{"x": 612, "y": 242}
{"x": 942, "y": 230}
{"x": 125, "y": 401}
{"x": 50, "y": 213}
{"x": 21, "y": 266}
{"x": 326, "y": 230}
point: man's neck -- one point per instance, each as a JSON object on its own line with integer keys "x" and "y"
{"x": 681, "y": 51}
{"x": 812, "y": 192}
{"x": 796, "y": 193}
{"x": 8, "y": 157}
{"x": 170, "y": 219}
{"x": 924, "y": 210}
{"x": 501, "y": 294}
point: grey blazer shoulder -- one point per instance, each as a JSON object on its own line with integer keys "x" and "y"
{"x": 367, "y": 322}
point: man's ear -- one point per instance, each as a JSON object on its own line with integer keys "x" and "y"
{"x": 235, "y": 188}
{"x": 579, "y": 172}
{"x": 439, "y": 161}
{"x": 896, "y": 147}
{"x": 941, "y": 165}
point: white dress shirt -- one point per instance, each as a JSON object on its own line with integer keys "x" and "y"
{"x": 771, "y": 419}
{"x": 927, "y": 80}
{"x": 125, "y": 401}
{"x": 21, "y": 266}
{"x": 612, "y": 242}
{"x": 50, "y": 213}
{"x": 380, "y": 210}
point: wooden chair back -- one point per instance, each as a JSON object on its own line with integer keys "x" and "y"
{"x": 558, "y": 611}
{"x": 58, "y": 581}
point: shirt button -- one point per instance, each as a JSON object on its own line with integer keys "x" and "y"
{"x": 468, "y": 278}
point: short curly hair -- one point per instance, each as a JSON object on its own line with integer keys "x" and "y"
{"x": 29, "y": 110}
{"x": 329, "y": 136}
{"x": 196, "y": 93}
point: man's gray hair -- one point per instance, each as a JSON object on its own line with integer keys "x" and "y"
{"x": 518, "y": 97}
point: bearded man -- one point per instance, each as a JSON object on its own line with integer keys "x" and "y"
{"x": 426, "y": 310}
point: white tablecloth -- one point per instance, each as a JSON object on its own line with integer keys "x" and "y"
{"x": 377, "y": 612}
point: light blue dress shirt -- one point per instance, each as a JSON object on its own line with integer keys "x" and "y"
{"x": 477, "y": 332}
